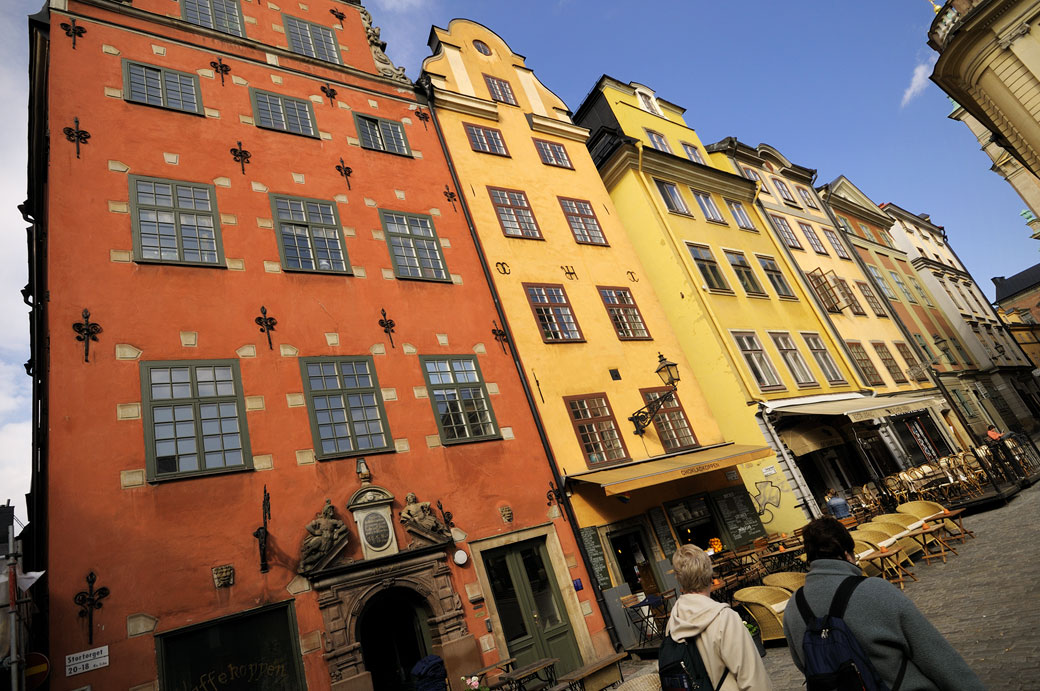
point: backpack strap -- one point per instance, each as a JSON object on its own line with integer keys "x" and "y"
{"x": 902, "y": 671}
{"x": 842, "y": 596}
{"x": 803, "y": 607}
{"x": 692, "y": 641}
{"x": 725, "y": 673}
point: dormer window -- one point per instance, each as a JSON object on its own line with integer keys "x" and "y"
{"x": 648, "y": 103}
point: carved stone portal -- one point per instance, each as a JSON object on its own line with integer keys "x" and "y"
{"x": 370, "y": 507}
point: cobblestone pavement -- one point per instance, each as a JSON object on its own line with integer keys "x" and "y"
{"x": 986, "y": 601}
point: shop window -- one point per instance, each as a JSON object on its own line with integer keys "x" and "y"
{"x": 312, "y": 40}
{"x": 596, "y": 428}
{"x": 345, "y": 406}
{"x": 459, "y": 398}
{"x": 310, "y": 237}
{"x": 162, "y": 87}
{"x": 175, "y": 222}
{"x": 415, "y": 250}
{"x": 222, "y": 15}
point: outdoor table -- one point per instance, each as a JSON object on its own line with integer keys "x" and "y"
{"x": 538, "y": 674}
{"x": 596, "y": 673}
{"x": 888, "y": 563}
{"x": 921, "y": 535}
{"x": 504, "y": 665}
{"x": 958, "y": 519}
{"x": 784, "y": 560}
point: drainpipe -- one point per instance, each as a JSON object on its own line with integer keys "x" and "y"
{"x": 562, "y": 498}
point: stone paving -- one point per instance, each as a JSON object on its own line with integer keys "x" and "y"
{"x": 986, "y": 601}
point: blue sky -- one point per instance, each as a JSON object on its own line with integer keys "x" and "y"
{"x": 825, "y": 82}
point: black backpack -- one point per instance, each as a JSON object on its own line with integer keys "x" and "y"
{"x": 681, "y": 668}
{"x": 834, "y": 660}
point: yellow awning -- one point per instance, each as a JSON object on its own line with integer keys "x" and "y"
{"x": 857, "y": 409}
{"x": 657, "y": 471}
{"x": 805, "y": 439}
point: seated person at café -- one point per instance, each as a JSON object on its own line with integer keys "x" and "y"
{"x": 993, "y": 433}
{"x": 836, "y": 505}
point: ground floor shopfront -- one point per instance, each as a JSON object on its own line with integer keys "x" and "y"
{"x": 1007, "y": 398}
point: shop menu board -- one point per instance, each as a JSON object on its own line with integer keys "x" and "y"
{"x": 664, "y": 533}
{"x": 598, "y": 560}
{"x": 738, "y": 514}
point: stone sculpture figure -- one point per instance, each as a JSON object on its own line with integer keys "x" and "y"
{"x": 419, "y": 515}
{"x": 323, "y": 533}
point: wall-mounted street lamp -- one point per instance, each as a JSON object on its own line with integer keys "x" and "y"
{"x": 943, "y": 345}
{"x": 1000, "y": 349}
{"x": 668, "y": 371}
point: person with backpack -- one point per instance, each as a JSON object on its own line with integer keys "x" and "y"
{"x": 706, "y": 645}
{"x": 846, "y": 631}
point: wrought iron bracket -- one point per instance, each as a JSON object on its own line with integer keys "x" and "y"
{"x": 643, "y": 417}
{"x": 387, "y": 326}
{"x": 88, "y": 601}
{"x": 241, "y": 156}
{"x": 451, "y": 197}
{"x": 77, "y": 136}
{"x": 261, "y": 533}
{"x": 72, "y": 30}
{"x": 266, "y": 325}
{"x": 220, "y": 68}
{"x": 344, "y": 170}
{"x": 86, "y": 331}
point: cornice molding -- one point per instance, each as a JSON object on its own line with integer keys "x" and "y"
{"x": 558, "y": 128}
{"x": 467, "y": 105}
{"x": 678, "y": 170}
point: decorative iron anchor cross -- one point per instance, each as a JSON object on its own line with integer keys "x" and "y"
{"x": 86, "y": 331}
{"x": 423, "y": 116}
{"x": 261, "y": 533}
{"x": 451, "y": 197}
{"x": 241, "y": 156}
{"x": 344, "y": 170}
{"x": 339, "y": 16}
{"x": 76, "y": 135}
{"x": 72, "y": 30}
{"x": 388, "y": 327}
{"x": 446, "y": 516}
{"x": 266, "y": 325}
{"x": 220, "y": 68}
{"x": 500, "y": 335}
{"x": 89, "y": 600}
{"x": 329, "y": 91}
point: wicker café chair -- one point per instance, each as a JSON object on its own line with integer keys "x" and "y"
{"x": 647, "y": 682}
{"x": 905, "y": 520}
{"x": 788, "y": 580}
{"x": 910, "y": 546}
{"x": 896, "y": 487}
{"x": 759, "y": 600}
{"x": 869, "y": 569}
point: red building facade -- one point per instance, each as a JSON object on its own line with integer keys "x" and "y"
{"x": 253, "y": 206}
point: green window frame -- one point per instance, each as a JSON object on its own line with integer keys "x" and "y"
{"x": 222, "y": 15}
{"x": 415, "y": 249}
{"x": 175, "y": 222}
{"x": 745, "y": 274}
{"x": 194, "y": 417}
{"x": 345, "y": 406}
{"x": 152, "y": 85}
{"x": 310, "y": 237}
{"x": 775, "y": 276}
{"x": 380, "y": 134}
{"x": 709, "y": 268}
{"x": 459, "y": 398}
{"x": 273, "y": 111}
{"x": 310, "y": 39}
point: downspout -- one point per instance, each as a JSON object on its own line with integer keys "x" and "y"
{"x": 562, "y": 498}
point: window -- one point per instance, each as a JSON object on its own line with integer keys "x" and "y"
{"x": 459, "y": 398}
{"x": 839, "y": 248}
{"x": 672, "y": 199}
{"x": 806, "y": 196}
{"x": 673, "y": 428}
{"x": 647, "y": 101}
{"x": 785, "y": 232}
{"x": 849, "y": 297}
{"x": 913, "y": 366}
{"x": 975, "y": 297}
{"x": 924, "y": 347}
{"x": 865, "y": 366}
{"x": 624, "y": 314}
{"x": 844, "y": 224}
{"x": 920, "y": 291}
{"x": 824, "y": 290}
{"x": 194, "y": 418}
{"x": 752, "y": 174}
{"x": 482, "y": 48}
{"x": 414, "y": 248}
{"x": 692, "y": 152}
{"x": 793, "y": 359}
{"x": 345, "y": 406}
{"x": 158, "y": 86}
{"x": 310, "y": 237}
{"x": 950, "y": 293}
{"x": 885, "y": 355}
{"x": 784, "y": 190}
{"x": 514, "y": 213}
{"x": 740, "y": 215}
{"x": 886, "y": 238}
{"x": 582, "y": 221}
{"x": 813, "y": 238}
{"x": 222, "y": 15}
{"x": 902, "y": 287}
{"x": 776, "y": 277}
{"x": 175, "y": 222}
{"x": 708, "y": 267}
{"x": 965, "y": 404}
{"x": 865, "y": 232}
{"x": 486, "y": 140}
{"x": 278, "y": 112}
{"x": 596, "y": 428}
{"x": 553, "y": 153}
{"x": 312, "y": 40}
{"x": 658, "y": 141}
{"x": 707, "y": 204}
{"x": 552, "y": 312}
{"x": 745, "y": 274}
{"x": 757, "y": 361}
{"x": 500, "y": 90}
{"x": 381, "y": 135}
{"x": 880, "y": 281}
{"x": 823, "y": 358}
{"x": 871, "y": 298}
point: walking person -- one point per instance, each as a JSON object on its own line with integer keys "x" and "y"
{"x": 726, "y": 648}
{"x": 889, "y": 629}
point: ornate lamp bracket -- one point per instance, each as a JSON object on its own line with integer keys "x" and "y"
{"x": 424, "y": 116}
{"x": 500, "y": 335}
{"x": 88, "y": 601}
{"x": 643, "y": 417}
{"x": 329, "y": 91}
{"x": 446, "y": 516}
{"x": 86, "y": 331}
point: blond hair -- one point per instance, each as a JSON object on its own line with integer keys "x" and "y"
{"x": 692, "y": 569}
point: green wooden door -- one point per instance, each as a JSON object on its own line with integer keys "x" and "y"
{"x": 530, "y": 609}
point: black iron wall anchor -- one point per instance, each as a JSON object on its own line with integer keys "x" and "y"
{"x": 447, "y": 517}
{"x": 261, "y": 533}
{"x": 76, "y": 135}
{"x": 89, "y": 600}
{"x": 220, "y": 68}
{"x": 423, "y": 116}
{"x": 344, "y": 170}
{"x": 329, "y": 91}
{"x": 72, "y": 30}
{"x": 500, "y": 335}
{"x": 241, "y": 156}
{"x": 338, "y": 15}
{"x": 451, "y": 197}
{"x": 388, "y": 327}
{"x": 86, "y": 331}
{"x": 555, "y": 496}
{"x": 266, "y": 325}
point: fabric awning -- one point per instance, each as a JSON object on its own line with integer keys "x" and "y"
{"x": 857, "y": 409}
{"x": 805, "y": 439}
{"x": 657, "y": 471}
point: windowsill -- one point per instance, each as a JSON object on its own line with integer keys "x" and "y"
{"x": 760, "y": 296}
{"x": 481, "y": 151}
{"x": 323, "y": 272}
{"x": 295, "y": 134}
{"x": 563, "y": 340}
{"x": 591, "y": 244}
{"x": 718, "y": 223}
{"x": 848, "y": 259}
{"x": 792, "y": 247}
{"x": 822, "y": 254}
{"x": 313, "y": 57}
{"x": 772, "y": 389}
{"x": 684, "y": 214}
{"x": 838, "y": 383}
{"x": 473, "y": 440}
{"x": 789, "y": 298}
{"x": 384, "y": 151}
{"x": 606, "y": 464}
{"x": 422, "y": 278}
{"x": 167, "y": 108}
{"x": 540, "y": 238}
{"x": 750, "y": 230}
{"x": 635, "y": 338}
{"x": 152, "y": 479}
{"x": 222, "y": 264}
{"x": 557, "y": 165}
{"x": 331, "y": 458}
{"x": 505, "y": 103}
{"x": 721, "y": 291}
{"x": 791, "y": 203}
{"x": 812, "y": 385}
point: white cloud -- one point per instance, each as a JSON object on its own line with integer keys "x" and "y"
{"x": 919, "y": 81}
{"x": 15, "y": 464}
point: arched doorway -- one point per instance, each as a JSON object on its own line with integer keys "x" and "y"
{"x": 394, "y": 635}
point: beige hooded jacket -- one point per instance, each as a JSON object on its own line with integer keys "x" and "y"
{"x": 722, "y": 642}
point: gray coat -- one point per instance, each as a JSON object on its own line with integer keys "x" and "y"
{"x": 887, "y": 626}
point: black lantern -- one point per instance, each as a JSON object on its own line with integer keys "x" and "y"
{"x": 668, "y": 371}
